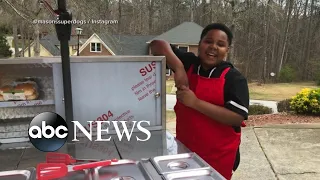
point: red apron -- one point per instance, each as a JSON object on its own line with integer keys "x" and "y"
{"x": 216, "y": 143}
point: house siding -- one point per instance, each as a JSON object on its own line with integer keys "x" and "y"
{"x": 43, "y": 52}
{"x": 194, "y": 49}
{"x": 73, "y": 51}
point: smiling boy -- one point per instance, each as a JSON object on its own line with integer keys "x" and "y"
{"x": 213, "y": 98}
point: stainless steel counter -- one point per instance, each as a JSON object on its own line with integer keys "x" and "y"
{"x": 160, "y": 143}
{"x": 159, "y": 158}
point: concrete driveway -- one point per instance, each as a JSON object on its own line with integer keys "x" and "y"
{"x": 284, "y": 152}
{"x": 278, "y": 152}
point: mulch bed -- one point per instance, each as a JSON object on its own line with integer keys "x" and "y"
{"x": 281, "y": 118}
{"x": 271, "y": 119}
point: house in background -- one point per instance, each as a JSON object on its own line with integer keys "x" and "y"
{"x": 50, "y": 46}
{"x": 185, "y": 37}
{"x": 109, "y": 45}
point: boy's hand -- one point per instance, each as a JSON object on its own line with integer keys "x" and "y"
{"x": 181, "y": 78}
{"x": 186, "y": 96}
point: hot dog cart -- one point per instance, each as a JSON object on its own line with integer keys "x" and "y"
{"x": 114, "y": 88}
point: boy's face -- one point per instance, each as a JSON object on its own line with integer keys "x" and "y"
{"x": 213, "y": 48}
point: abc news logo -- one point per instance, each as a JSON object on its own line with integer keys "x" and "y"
{"x": 48, "y": 131}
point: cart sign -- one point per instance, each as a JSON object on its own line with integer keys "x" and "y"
{"x": 114, "y": 88}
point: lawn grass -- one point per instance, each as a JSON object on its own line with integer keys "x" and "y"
{"x": 271, "y": 92}
{"x": 279, "y": 91}
{"x": 169, "y": 86}
{"x": 170, "y": 115}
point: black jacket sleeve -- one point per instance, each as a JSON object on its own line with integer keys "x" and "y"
{"x": 237, "y": 93}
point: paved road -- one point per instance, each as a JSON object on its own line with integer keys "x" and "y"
{"x": 171, "y": 101}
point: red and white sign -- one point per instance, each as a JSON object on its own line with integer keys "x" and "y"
{"x": 147, "y": 85}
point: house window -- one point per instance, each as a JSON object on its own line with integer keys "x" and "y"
{"x": 183, "y": 48}
{"x": 95, "y": 47}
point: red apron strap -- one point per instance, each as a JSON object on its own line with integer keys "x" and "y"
{"x": 190, "y": 70}
{"x": 223, "y": 74}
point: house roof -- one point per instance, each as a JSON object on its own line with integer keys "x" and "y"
{"x": 185, "y": 33}
{"x": 127, "y": 44}
{"x": 102, "y": 41}
{"x": 51, "y": 43}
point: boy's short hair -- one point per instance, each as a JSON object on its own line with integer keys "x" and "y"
{"x": 218, "y": 26}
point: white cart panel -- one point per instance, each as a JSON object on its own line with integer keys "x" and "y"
{"x": 115, "y": 88}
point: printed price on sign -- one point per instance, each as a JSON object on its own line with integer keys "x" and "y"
{"x": 146, "y": 86}
{"x": 103, "y": 117}
{"x": 109, "y": 116}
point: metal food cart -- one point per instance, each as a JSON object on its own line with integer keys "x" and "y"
{"x": 132, "y": 88}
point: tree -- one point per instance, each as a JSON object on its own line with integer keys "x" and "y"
{"x": 4, "y": 47}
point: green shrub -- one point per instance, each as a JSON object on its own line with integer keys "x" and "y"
{"x": 287, "y": 74}
{"x": 259, "y": 109}
{"x": 307, "y": 101}
{"x": 284, "y": 105}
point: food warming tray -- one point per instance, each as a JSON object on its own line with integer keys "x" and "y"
{"x": 201, "y": 174}
{"x": 77, "y": 175}
{"x": 180, "y": 162}
{"x": 123, "y": 170}
{"x": 28, "y": 174}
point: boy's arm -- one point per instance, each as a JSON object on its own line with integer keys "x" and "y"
{"x": 218, "y": 113}
{"x": 163, "y": 48}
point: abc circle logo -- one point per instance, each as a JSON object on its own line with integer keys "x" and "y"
{"x": 48, "y": 132}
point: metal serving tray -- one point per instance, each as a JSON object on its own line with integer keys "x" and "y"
{"x": 77, "y": 175}
{"x": 123, "y": 170}
{"x": 201, "y": 174}
{"x": 28, "y": 174}
{"x": 179, "y": 162}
